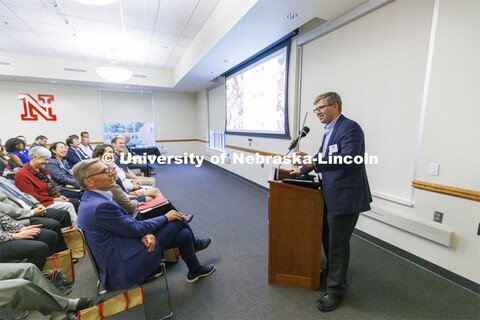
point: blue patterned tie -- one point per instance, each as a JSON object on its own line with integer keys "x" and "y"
{"x": 17, "y": 195}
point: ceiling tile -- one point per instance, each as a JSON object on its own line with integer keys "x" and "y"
{"x": 174, "y": 28}
{"x": 31, "y": 40}
{"x": 174, "y": 14}
{"x": 190, "y": 31}
{"x": 138, "y": 7}
{"x": 12, "y": 23}
{"x": 54, "y": 29}
{"x": 185, "y": 41}
{"x": 5, "y": 12}
{"x": 199, "y": 18}
{"x": 138, "y": 21}
{"x": 31, "y": 14}
{"x": 207, "y": 5}
{"x": 165, "y": 37}
{"x": 101, "y": 14}
{"x": 32, "y": 4}
{"x": 179, "y": 49}
{"x": 138, "y": 34}
{"x": 8, "y": 44}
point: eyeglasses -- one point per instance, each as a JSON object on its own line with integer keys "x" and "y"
{"x": 106, "y": 171}
{"x": 322, "y": 107}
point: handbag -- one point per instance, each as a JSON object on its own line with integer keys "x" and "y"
{"x": 64, "y": 261}
{"x": 74, "y": 241}
{"x": 171, "y": 255}
{"x": 122, "y": 302}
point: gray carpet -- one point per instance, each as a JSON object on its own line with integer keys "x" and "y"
{"x": 235, "y": 214}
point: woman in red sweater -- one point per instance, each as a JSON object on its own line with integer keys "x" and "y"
{"x": 36, "y": 181}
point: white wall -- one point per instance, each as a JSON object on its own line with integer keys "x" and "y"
{"x": 78, "y": 109}
{"x": 394, "y": 41}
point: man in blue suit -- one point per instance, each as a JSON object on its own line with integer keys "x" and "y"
{"x": 126, "y": 250}
{"x": 74, "y": 153}
{"x": 345, "y": 189}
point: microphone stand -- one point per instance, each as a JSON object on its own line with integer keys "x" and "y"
{"x": 296, "y": 147}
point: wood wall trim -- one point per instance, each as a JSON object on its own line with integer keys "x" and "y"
{"x": 263, "y": 153}
{"x": 448, "y": 190}
{"x": 178, "y": 140}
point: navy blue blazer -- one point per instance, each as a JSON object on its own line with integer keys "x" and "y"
{"x": 345, "y": 186}
{"x": 115, "y": 239}
{"x": 61, "y": 175}
{"x": 73, "y": 157}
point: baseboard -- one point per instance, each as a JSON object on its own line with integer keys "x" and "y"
{"x": 237, "y": 176}
{"x": 464, "y": 282}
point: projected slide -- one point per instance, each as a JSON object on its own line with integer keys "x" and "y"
{"x": 256, "y": 97}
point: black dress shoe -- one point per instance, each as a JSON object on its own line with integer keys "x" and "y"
{"x": 189, "y": 218}
{"x": 152, "y": 276}
{"x": 75, "y": 260}
{"x": 329, "y": 301}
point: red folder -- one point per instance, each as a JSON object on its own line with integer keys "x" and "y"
{"x": 155, "y": 203}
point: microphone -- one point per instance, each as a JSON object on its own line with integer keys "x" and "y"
{"x": 301, "y": 134}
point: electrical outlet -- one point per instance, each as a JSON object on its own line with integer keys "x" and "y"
{"x": 438, "y": 216}
{"x": 433, "y": 169}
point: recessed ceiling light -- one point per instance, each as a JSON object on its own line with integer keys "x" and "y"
{"x": 226, "y": 61}
{"x": 53, "y": 81}
{"x": 292, "y": 15}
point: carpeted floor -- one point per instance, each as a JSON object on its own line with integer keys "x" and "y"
{"x": 235, "y": 214}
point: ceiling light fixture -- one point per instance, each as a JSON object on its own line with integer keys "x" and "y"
{"x": 97, "y": 2}
{"x": 113, "y": 73}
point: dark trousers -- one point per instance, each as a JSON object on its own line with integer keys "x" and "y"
{"x": 35, "y": 251}
{"x": 177, "y": 234}
{"x": 60, "y": 215}
{"x": 337, "y": 231}
{"x": 54, "y": 225}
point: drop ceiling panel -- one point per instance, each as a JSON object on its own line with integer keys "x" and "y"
{"x": 33, "y": 4}
{"x": 190, "y": 31}
{"x": 174, "y": 28}
{"x": 165, "y": 37}
{"x": 4, "y": 12}
{"x": 31, "y": 14}
{"x": 8, "y": 44}
{"x": 174, "y": 14}
{"x": 12, "y": 23}
{"x": 138, "y": 21}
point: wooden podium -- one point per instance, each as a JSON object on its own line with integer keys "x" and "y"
{"x": 294, "y": 233}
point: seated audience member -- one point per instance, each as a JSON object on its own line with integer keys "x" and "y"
{"x": 24, "y": 141}
{"x": 74, "y": 155}
{"x": 40, "y": 141}
{"x": 16, "y": 152}
{"x": 122, "y": 197}
{"x": 35, "y": 180}
{"x": 7, "y": 167}
{"x": 18, "y": 242}
{"x": 23, "y": 287}
{"x": 118, "y": 144}
{"x": 145, "y": 168}
{"x": 27, "y": 210}
{"x": 126, "y": 185}
{"x": 85, "y": 146}
{"x": 60, "y": 172}
{"x": 126, "y": 250}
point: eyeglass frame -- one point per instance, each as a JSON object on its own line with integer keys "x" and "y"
{"x": 322, "y": 107}
{"x": 106, "y": 171}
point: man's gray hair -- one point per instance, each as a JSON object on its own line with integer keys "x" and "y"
{"x": 81, "y": 170}
{"x": 331, "y": 97}
{"x": 39, "y": 152}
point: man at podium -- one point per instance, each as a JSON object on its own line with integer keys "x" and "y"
{"x": 345, "y": 189}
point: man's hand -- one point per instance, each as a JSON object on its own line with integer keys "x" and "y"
{"x": 174, "y": 215}
{"x": 302, "y": 159}
{"x": 149, "y": 241}
{"x": 136, "y": 185}
{"x": 295, "y": 171}
{"x": 138, "y": 193}
{"x": 61, "y": 199}
{"x": 39, "y": 212}
{"x": 39, "y": 205}
{"x": 27, "y": 232}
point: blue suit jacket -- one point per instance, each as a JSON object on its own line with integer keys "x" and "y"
{"x": 72, "y": 157}
{"x": 345, "y": 186}
{"x": 115, "y": 239}
{"x": 61, "y": 175}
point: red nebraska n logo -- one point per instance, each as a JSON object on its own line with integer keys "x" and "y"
{"x": 32, "y": 108}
